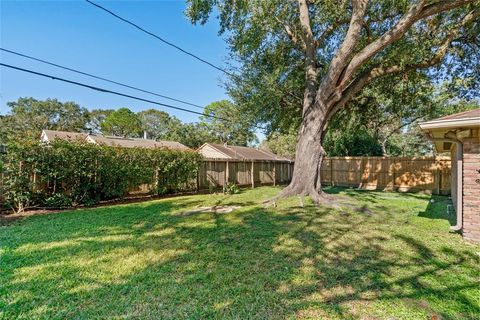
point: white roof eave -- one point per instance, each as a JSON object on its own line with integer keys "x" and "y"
{"x": 452, "y": 123}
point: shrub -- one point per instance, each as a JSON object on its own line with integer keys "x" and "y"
{"x": 18, "y": 168}
{"x": 67, "y": 173}
{"x": 231, "y": 188}
{"x": 58, "y": 200}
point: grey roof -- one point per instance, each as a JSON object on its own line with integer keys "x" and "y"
{"x": 115, "y": 141}
{"x": 246, "y": 153}
{"x": 475, "y": 113}
{"x": 137, "y": 143}
{"x": 64, "y": 135}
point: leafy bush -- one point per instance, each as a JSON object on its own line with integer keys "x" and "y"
{"x": 58, "y": 200}
{"x": 17, "y": 168}
{"x": 86, "y": 173}
{"x": 231, "y": 188}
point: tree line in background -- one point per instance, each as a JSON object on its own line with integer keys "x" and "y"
{"x": 221, "y": 122}
{"x": 382, "y": 121}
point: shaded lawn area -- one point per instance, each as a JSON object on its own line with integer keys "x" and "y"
{"x": 393, "y": 257}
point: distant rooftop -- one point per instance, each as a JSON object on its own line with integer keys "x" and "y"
{"x": 50, "y": 135}
{"x": 225, "y": 151}
{"x": 64, "y": 135}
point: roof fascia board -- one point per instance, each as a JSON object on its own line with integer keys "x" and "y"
{"x": 450, "y": 123}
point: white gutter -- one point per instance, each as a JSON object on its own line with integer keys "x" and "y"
{"x": 459, "y": 159}
{"x": 437, "y": 124}
{"x": 459, "y": 208}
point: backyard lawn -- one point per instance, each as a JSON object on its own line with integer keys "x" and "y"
{"x": 386, "y": 256}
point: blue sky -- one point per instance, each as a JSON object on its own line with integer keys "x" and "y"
{"x": 76, "y": 34}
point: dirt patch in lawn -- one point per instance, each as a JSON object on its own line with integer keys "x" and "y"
{"x": 213, "y": 209}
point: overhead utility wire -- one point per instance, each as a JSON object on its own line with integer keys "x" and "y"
{"x": 172, "y": 44}
{"x": 100, "y": 78}
{"x": 159, "y": 38}
{"x": 109, "y": 91}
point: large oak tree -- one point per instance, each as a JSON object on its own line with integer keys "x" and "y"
{"x": 341, "y": 47}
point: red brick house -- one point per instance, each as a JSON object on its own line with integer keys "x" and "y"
{"x": 459, "y": 134}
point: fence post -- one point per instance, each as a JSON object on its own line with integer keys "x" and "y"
{"x": 197, "y": 189}
{"x": 393, "y": 174}
{"x": 252, "y": 176}
{"x": 439, "y": 177}
{"x": 227, "y": 173}
{"x": 155, "y": 183}
{"x": 281, "y": 173}
{"x": 274, "y": 174}
{"x": 331, "y": 172}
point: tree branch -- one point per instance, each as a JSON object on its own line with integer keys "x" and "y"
{"x": 311, "y": 70}
{"x": 291, "y": 35}
{"x": 367, "y": 76}
{"x": 414, "y": 14}
{"x": 330, "y": 29}
{"x": 339, "y": 61}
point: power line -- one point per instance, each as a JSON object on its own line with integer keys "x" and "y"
{"x": 100, "y": 78}
{"x": 175, "y": 46}
{"x": 108, "y": 91}
{"x": 160, "y": 38}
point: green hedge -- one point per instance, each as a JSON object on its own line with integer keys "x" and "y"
{"x": 66, "y": 173}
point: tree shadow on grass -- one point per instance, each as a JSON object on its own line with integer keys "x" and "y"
{"x": 145, "y": 261}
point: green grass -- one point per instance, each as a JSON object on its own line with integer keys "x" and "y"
{"x": 394, "y": 258}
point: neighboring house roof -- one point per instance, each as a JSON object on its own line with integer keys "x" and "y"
{"x": 49, "y": 135}
{"x": 136, "y": 143}
{"x": 462, "y": 119}
{"x": 225, "y": 151}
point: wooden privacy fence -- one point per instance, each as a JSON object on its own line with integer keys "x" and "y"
{"x": 369, "y": 173}
{"x": 393, "y": 174}
{"x": 214, "y": 173}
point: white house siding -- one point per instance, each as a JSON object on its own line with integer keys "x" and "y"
{"x": 209, "y": 152}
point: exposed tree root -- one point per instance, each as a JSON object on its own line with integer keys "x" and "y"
{"x": 318, "y": 197}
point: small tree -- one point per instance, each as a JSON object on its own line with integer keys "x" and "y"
{"x": 159, "y": 125}
{"x": 122, "y": 122}
{"x": 96, "y": 118}
{"x": 227, "y": 124}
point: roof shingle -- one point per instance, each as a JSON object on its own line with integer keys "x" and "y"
{"x": 114, "y": 141}
{"x": 475, "y": 113}
{"x": 246, "y": 153}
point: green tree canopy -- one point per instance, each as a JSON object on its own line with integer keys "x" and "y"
{"x": 229, "y": 124}
{"x": 193, "y": 135}
{"x": 122, "y": 122}
{"x": 28, "y": 117}
{"x": 159, "y": 125}
{"x": 97, "y": 116}
{"x": 281, "y": 143}
{"x": 307, "y": 60}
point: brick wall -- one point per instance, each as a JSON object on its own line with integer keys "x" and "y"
{"x": 471, "y": 189}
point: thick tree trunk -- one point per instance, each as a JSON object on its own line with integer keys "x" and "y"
{"x": 323, "y": 98}
{"x": 308, "y": 157}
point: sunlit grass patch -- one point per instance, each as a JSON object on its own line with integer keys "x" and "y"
{"x": 384, "y": 255}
